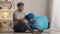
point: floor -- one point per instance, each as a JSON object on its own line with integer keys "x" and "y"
{"x": 45, "y": 32}
{"x": 33, "y": 33}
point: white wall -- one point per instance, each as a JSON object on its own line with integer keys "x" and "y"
{"x": 49, "y": 9}
{"x": 55, "y": 20}
{"x": 37, "y": 6}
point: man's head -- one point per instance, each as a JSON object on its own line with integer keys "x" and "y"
{"x": 20, "y": 6}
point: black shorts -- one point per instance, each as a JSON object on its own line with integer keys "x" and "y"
{"x": 20, "y": 27}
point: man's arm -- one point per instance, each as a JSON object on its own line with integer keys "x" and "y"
{"x": 15, "y": 18}
{"x": 18, "y": 19}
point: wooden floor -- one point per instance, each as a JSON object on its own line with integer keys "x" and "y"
{"x": 45, "y": 32}
{"x": 33, "y": 33}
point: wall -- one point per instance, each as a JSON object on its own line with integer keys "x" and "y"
{"x": 39, "y": 7}
{"x": 49, "y": 9}
{"x": 55, "y": 19}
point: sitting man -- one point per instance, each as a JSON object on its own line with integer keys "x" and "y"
{"x": 18, "y": 18}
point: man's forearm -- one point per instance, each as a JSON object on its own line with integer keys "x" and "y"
{"x": 22, "y": 19}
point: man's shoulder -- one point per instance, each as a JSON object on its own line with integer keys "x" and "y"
{"x": 15, "y": 11}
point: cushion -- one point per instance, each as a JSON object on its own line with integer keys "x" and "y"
{"x": 30, "y": 16}
{"x": 42, "y": 22}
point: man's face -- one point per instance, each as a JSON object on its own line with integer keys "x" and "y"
{"x": 21, "y": 8}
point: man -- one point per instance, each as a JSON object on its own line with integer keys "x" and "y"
{"x": 18, "y": 18}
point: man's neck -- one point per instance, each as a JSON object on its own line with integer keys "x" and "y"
{"x": 19, "y": 10}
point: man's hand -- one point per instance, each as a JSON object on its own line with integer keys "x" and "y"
{"x": 20, "y": 19}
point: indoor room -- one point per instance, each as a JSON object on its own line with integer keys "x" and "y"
{"x": 30, "y": 16}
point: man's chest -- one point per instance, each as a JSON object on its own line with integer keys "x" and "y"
{"x": 20, "y": 15}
